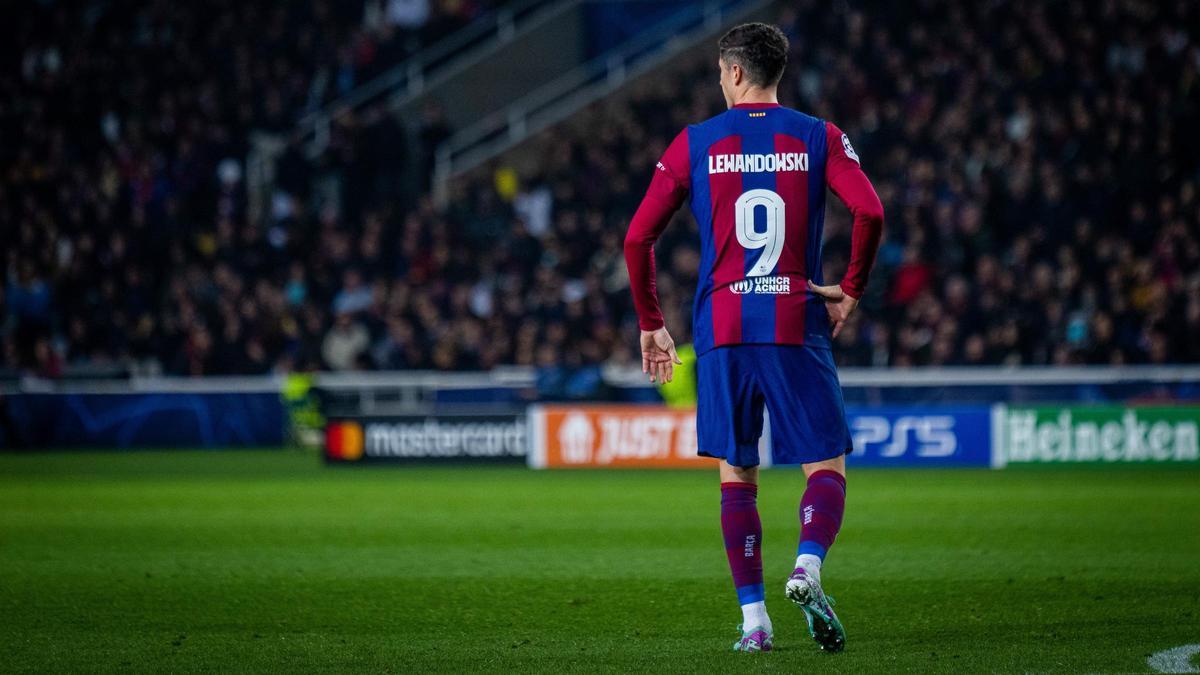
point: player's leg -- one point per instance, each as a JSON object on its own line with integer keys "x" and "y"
{"x": 726, "y": 429}
{"x": 808, "y": 427}
{"x": 821, "y": 511}
{"x": 742, "y": 530}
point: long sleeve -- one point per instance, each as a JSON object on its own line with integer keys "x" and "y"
{"x": 666, "y": 193}
{"x": 845, "y": 177}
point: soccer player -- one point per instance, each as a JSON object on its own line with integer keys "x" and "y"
{"x": 755, "y": 177}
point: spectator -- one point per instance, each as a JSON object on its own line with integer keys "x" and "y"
{"x": 1039, "y": 165}
{"x": 345, "y": 343}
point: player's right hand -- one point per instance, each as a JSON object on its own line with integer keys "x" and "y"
{"x": 658, "y": 355}
{"x": 837, "y": 302}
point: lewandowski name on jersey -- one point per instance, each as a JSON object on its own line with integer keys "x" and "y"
{"x": 742, "y": 163}
{"x": 755, "y": 178}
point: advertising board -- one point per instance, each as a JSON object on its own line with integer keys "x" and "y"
{"x": 592, "y": 436}
{"x": 920, "y": 435}
{"x": 1096, "y": 434}
{"x": 655, "y": 436}
{"x": 460, "y": 437}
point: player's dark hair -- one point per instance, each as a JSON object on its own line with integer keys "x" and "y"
{"x": 761, "y": 50}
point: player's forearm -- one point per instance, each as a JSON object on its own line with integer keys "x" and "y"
{"x": 639, "y": 258}
{"x": 856, "y": 191}
{"x": 666, "y": 192}
{"x": 648, "y": 223}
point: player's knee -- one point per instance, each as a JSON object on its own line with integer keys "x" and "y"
{"x": 738, "y": 474}
{"x": 837, "y": 465}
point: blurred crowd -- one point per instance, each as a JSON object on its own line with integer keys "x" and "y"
{"x": 1039, "y": 165}
{"x": 124, "y": 128}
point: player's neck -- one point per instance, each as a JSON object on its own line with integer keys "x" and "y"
{"x": 755, "y": 95}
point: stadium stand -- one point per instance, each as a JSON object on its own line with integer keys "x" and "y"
{"x": 1028, "y": 222}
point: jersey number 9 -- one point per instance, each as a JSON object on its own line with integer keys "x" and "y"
{"x": 771, "y": 239}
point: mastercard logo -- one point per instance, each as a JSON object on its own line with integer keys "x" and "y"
{"x": 344, "y": 441}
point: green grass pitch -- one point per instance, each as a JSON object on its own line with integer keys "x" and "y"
{"x": 271, "y": 562}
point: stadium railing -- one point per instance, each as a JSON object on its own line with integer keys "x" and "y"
{"x": 1122, "y": 383}
{"x": 556, "y": 100}
{"x": 401, "y": 87}
{"x": 407, "y": 81}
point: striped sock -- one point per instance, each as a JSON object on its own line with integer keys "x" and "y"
{"x": 821, "y": 511}
{"x": 743, "y": 546}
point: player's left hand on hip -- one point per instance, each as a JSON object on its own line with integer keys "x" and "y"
{"x": 658, "y": 355}
{"x": 839, "y": 304}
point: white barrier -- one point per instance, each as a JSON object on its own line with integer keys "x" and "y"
{"x": 629, "y": 377}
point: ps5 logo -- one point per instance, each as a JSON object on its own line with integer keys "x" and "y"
{"x": 929, "y": 435}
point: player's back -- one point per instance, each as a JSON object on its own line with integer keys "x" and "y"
{"x": 757, "y": 174}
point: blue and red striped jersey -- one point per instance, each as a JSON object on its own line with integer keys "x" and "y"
{"x": 756, "y": 175}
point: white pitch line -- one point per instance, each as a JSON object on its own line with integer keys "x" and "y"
{"x": 1176, "y": 660}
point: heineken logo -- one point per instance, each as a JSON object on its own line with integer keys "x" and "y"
{"x": 1099, "y": 434}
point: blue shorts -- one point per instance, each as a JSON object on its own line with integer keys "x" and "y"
{"x": 799, "y": 387}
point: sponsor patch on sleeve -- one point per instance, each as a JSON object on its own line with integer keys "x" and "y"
{"x": 849, "y": 149}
